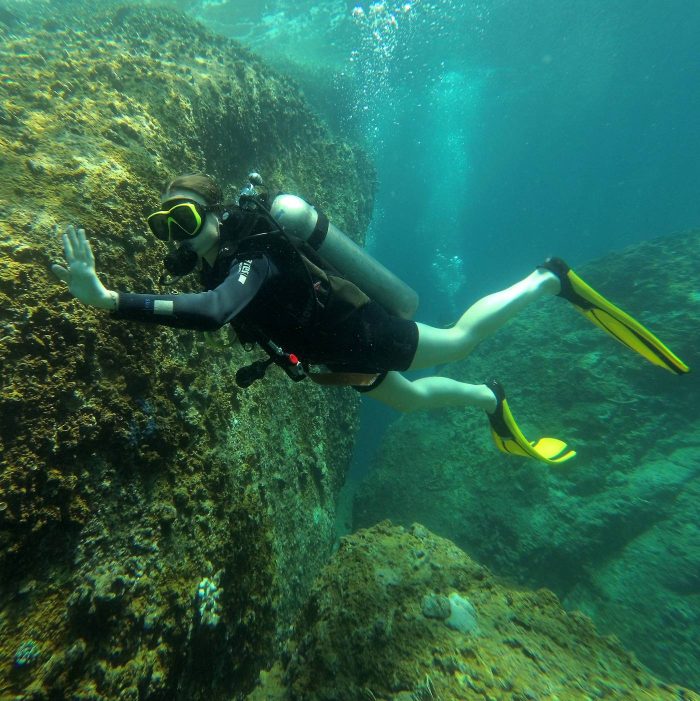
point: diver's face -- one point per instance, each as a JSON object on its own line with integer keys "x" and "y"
{"x": 206, "y": 242}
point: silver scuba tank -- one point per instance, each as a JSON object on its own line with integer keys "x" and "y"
{"x": 300, "y": 219}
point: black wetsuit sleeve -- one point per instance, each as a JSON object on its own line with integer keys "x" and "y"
{"x": 201, "y": 311}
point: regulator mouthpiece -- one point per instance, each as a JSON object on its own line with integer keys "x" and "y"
{"x": 178, "y": 263}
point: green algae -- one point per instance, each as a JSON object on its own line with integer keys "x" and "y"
{"x": 131, "y": 466}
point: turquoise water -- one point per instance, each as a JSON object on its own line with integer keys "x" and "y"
{"x": 502, "y": 131}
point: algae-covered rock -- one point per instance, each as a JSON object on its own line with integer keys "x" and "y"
{"x": 131, "y": 467}
{"x": 365, "y": 635}
{"x": 614, "y": 532}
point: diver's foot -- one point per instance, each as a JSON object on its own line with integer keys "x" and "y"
{"x": 499, "y": 394}
{"x": 491, "y": 398}
{"x": 613, "y": 320}
{"x": 559, "y": 269}
{"x": 510, "y": 439}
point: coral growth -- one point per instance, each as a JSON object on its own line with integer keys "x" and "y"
{"x": 365, "y": 635}
{"x": 208, "y": 606}
{"x": 130, "y": 465}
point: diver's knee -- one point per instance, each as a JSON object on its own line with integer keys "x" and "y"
{"x": 463, "y": 343}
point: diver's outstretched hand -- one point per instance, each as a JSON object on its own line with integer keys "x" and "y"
{"x": 80, "y": 275}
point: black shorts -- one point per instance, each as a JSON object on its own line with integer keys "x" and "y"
{"x": 374, "y": 341}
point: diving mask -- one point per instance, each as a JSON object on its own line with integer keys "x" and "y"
{"x": 183, "y": 220}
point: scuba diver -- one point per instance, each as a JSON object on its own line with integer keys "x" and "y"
{"x": 293, "y": 284}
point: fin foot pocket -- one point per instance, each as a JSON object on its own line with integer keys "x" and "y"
{"x": 510, "y": 439}
{"x": 613, "y": 320}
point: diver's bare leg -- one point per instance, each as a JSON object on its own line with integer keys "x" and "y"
{"x": 431, "y": 393}
{"x": 481, "y": 320}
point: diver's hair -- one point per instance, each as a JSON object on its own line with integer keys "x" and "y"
{"x": 200, "y": 183}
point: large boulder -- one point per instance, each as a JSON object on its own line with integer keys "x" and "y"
{"x": 403, "y": 615}
{"x": 158, "y": 526}
{"x": 614, "y": 532}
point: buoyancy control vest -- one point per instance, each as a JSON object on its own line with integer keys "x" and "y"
{"x": 308, "y": 300}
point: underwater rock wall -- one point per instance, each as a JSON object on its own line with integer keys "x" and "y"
{"x": 614, "y": 532}
{"x": 158, "y": 526}
{"x": 403, "y": 615}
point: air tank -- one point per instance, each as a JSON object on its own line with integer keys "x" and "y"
{"x": 300, "y": 219}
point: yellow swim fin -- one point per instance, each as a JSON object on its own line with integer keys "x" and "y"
{"x": 510, "y": 439}
{"x": 612, "y": 319}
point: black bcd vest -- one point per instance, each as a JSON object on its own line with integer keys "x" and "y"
{"x": 308, "y": 297}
